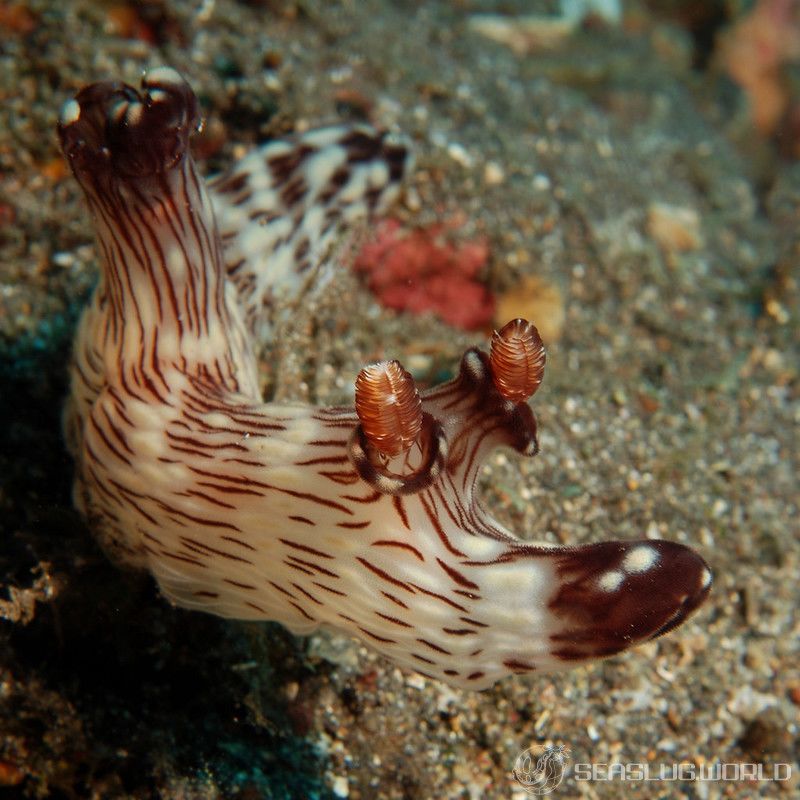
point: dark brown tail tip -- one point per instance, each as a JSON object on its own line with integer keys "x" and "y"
{"x": 133, "y": 133}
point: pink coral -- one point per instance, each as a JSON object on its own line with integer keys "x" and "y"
{"x": 426, "y": 269}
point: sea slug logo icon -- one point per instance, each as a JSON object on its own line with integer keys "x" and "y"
{"x": 539, "y": 775}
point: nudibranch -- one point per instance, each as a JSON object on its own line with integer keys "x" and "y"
{"x": 366, "y": 519}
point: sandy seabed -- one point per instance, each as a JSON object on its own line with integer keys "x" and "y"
{"x": 670, "y": 408}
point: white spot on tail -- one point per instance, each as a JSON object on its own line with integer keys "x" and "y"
{"x": 70, "y": 112}
{"x": 611, "y": 580}
{"x": 165, "y": 76}
{"x": 132, "y": 113}
{"x": 705, "y": 578}
{"x": 640, "y": 559}
{"x": 158, "y": 96}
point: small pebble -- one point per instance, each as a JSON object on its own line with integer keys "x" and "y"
{"x": 459, "y": 154}
{"x": 340, "y": 787}
{"x": 493, "y": 173}
{"x": 536, "y": 300}
{"x": 675, "y": 228}
{"x": 541, "y": 182}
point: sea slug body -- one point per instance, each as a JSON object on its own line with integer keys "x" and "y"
{"x": 364, "y": 520}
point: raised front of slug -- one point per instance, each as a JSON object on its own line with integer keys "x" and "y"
{"x": 365, "y": 520}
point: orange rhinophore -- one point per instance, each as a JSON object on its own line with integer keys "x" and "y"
{"x": 389, "y": 407}
{"x": 517, "y": 358}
